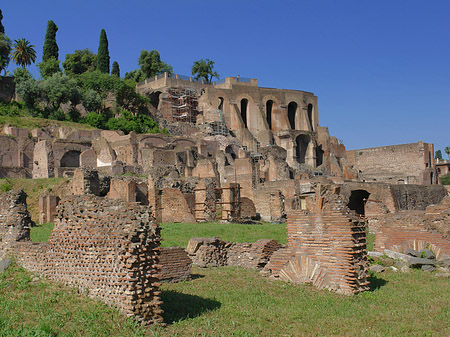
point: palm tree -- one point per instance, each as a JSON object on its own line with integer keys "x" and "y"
{"x": 23, "y": 53}
{"x": 447, "y": 151}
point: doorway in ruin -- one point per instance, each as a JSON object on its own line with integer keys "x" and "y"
{"x": 301, "y": 142}
{"x": 431, "y": 178}
{"x": 310, "y": 116}
{"x": 154, "y": 98}
{"x": 70, "y": 159}
{"x": 220, "y": 107}
{"x": 244, "y": 106}
{"x": 292, "y": 109}
{"x": 269, "y": 105}
{"x": 319, "y": 155}
{"x": 357, "y": 201}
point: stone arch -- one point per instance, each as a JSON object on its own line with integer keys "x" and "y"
{"x": 70, "y": 159}
{"x": 292, "y": 113}
{"x": 154, "y": 98}
{"x": 183, "y": 143}
{"x": 153, "y": 141}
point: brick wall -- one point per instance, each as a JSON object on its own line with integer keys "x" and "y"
{"x": 175, "y": 264}
{"x": 31, "y": 255}
{"x": 110, "y": 248}
{"x": 175, "y": 207}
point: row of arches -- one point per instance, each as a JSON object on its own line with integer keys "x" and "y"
{"x": 292, "y": 111}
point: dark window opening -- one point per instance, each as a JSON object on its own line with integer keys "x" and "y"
{"x": 431, "y": 178}
{"x": 302, "y": 142}
{"x": 358, "y": 200}
{"x": 220, "y": 107}
{"x": 269, "y": 105}
{"x": 292, "y": 109}
{"x": 310, "y": 113}
{"x": 70, "y": 159}
{"x": 319, "y": 155}
{"x": 244, "y": 105}
{"x": 154, "y": 99}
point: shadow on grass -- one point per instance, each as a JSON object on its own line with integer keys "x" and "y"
{"x": 178, "y": 306}
{"x": 376, "y": 282}
{"x": 196, "y": 276}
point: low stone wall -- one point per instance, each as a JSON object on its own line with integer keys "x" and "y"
{"x": 15, "y": 220}
{"x": 214, "y": 252}
{"x": 175, "y": 264}
{"x": 31, "y": 255}
{"x": 403, "y": 230}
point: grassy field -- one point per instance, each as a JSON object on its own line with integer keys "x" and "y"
{"x": 33, "y": 188}
{"x": 178, "y": 234}
{"x": 234, "y": 302}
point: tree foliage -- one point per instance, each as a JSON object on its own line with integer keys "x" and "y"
{"x": 204, "y": 69}
{"x": 28, "y": 90}
{"x": 438, "y": 155}
{"x": 49, "y": 67}
{"x": 127, "y": 122}
{"x": 79, "y": 62}
{"x": 92, "y": 101}
{"x": 103, "y": 53}
{"x": 2, "y": 28}
{"x": 5, "y": 50}
{"x": 51, "y": 49}
{"x": 115, "y": 69}
{"x": 23, "y": 53}
{"x": 59, "y": 89}
{"x": 151, "y": 64}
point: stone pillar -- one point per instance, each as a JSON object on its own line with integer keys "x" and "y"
{"x": 200, "y": 201}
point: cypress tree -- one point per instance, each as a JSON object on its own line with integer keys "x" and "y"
{"x": 115, "y": 69}
{"x": 103, "y": 53}
{"x": 50, "y": 46}
{"x": 2, "y": 29}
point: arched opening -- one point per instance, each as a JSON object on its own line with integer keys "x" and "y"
{"x": 302, "y": 142}
{"x": 154, "y": 98}
{"x": 357, "y": 201}
{"x": 319, "y": 155}
{"x": 230, "y": 155}
{"x": 244, "y": 105}
{"x": 269, "y": 105}
{"x": 70, "y": 159}
{"x": 292, "y": 109}
{"x": 220, "y": 107}
{"x": 310, "y": 116}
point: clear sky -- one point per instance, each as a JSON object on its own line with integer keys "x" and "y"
{"x": 381, "y": 69}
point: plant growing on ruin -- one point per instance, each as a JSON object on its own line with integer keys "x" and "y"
{"x": 5, "y": 50}
{"x": 204, "y": 69}
{"x": 23, "y": 53}
{"x": 447, "y": 151}
{"x": 438, "y": 155}
{"x": 103, "y": 53}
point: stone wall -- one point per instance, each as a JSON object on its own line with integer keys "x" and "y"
{"x": 175, "y": 264}
{"x": 214, "y": 252}
{"x": 396, "y": 164}
{"x": 15, "y": 221}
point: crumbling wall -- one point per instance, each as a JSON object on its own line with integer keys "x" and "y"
{"x": 15, "y": 220}
{"x": 111, "y": 249}
{"x": 175, "y": 264}
{"x": 214, "y": 252}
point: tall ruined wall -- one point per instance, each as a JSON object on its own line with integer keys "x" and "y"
{"x": 407, "y": 163}
{"x": 15, "y": 221}
{"x": 111, "y": 249}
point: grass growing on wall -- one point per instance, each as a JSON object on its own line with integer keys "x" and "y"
{"x": 178, "y": 234}
{"x": 35, "y": 122}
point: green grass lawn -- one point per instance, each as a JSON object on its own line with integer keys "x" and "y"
{"x": 41, "y": 232}
{"x": 178, "y": 234}
{"x": 234, "y": 302}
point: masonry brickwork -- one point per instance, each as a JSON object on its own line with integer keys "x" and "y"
{"x": 175, "y": 264}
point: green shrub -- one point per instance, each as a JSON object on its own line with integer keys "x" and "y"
{"x": 445, "y": 179}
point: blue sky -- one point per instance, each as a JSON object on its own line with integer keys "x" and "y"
{"x": 381, "y": 69}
